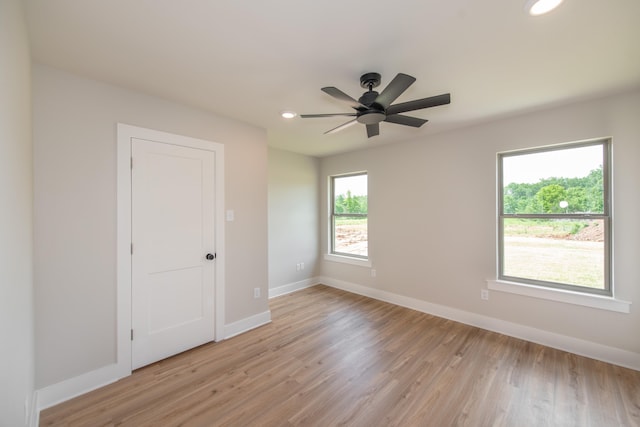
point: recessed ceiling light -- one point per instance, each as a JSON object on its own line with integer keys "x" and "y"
{"x": 288, "y": 114}
{"x": 540, "y": 7}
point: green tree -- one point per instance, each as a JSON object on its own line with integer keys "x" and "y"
{"x": 338, "y": 204}
{"x": 577, "y": 199}
{"x": 350, "y": 204}
{"x": 583, "y": 194}
{"x": 550, "y": 197}
{"x": 364, "y": 204}
{"x": 520, "y": 198}
{"x": 595, "y": 191}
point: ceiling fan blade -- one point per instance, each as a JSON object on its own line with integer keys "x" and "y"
{"x": 419, "y": 104}
{"x": 341, "y": 96}
{"x": 373, "y": 130}
{"x": 398, "y": 85}
{"x": 308, "y": 116}
{"x": 405, "y": 120}
{"x": 343, "y": 126}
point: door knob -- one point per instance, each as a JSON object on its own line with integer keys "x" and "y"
{"x": 210, "y": 256}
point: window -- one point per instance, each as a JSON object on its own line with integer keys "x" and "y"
{"x": 349, "y": 235}
{"x": 554, "y": 225}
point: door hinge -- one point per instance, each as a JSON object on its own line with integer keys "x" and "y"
{"x": 132, "y": 335}
{"x": 132, "y": 163}
{"x": 132, "y": 249}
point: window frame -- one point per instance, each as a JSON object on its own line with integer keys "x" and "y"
{"x": 606, "y": 217}
{"x": 333, "y": 215}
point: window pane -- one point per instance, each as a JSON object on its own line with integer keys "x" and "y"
{"x": 567, "y": 251}
{"x": 349, "y": 215}
{"x": 561, "y": 181}
{"x": 350, "y": 194}
{"x": 351, "y": 235}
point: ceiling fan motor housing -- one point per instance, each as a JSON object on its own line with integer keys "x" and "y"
{"x": 368, "y": 99}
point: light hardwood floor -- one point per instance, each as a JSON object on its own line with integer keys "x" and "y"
{"x": 333, "y": 358}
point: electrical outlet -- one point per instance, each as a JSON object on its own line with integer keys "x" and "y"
{"x": 256, "y": 292}
{"x": 373, "y": 272}
{"x": 298, "y": 267}
{"x": 484, "y": 294}
{"x": 302, "y": 266}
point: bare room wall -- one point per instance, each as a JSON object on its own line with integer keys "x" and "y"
{"x": 293, "y": 217}
{"x": 16, "y": 226}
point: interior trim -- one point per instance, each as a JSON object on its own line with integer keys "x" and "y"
{"x": 123, "y": 241}
{"x": 613, "y": 355}
{"x": 246, "y": 324}
{"x": 292, "y": 287}
{"x": 561, "y": 295}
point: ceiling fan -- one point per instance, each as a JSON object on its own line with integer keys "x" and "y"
{"x": 373, "y": 107}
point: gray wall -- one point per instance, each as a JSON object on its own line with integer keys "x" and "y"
{"x": 75, "y": 213}
{"x": 16, "y": 230}
{"x": 432, "y": 217}
{"x": 293, "y": 217}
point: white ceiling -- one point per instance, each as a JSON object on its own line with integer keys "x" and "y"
{"x": 252, "y": 59}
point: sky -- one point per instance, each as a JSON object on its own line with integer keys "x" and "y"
{"x": 527, "y": 168}
{"x": 570, "y": 163}
{"x": 357, "y": 184}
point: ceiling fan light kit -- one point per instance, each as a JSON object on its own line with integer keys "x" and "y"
{"x": 540, "y": 7}
{"x": 288, "y": 114}
{"x": 373, "y": 107}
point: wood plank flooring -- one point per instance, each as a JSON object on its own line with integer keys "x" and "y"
{"x": 332, "y": 358}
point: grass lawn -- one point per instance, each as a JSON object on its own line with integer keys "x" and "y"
{"x": 555, "y": 260}
{"x": 567, "y": 251}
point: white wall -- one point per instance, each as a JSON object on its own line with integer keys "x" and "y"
{"x": 75, "y": 213}
{"x": 16, "y": 229}
{"x": 293, "y": 218}
{"x": 432, "y": 218}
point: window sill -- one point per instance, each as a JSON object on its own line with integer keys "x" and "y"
{"x": 348, "y": 260}
{"x": 559, "y": 295}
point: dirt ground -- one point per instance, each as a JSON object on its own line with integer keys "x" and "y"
{"x": 594, "y": 232}
{"x": 353, "y": 238}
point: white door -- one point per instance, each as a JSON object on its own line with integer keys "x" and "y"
{"x": 173, "y": 243}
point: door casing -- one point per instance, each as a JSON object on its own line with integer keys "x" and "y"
{"x": 125, "y": 134}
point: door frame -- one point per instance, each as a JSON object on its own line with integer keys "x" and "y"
{"x": 123, "y": 240}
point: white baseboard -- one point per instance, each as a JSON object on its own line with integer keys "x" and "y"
{"x": 57, "y": 393}
{"x": 68, "y": 389}
{"x": 244, "y": 325}
{"x": 33, "y": 412}
{"x": 292, "y": 287}
{"x": 577, "y": 346}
